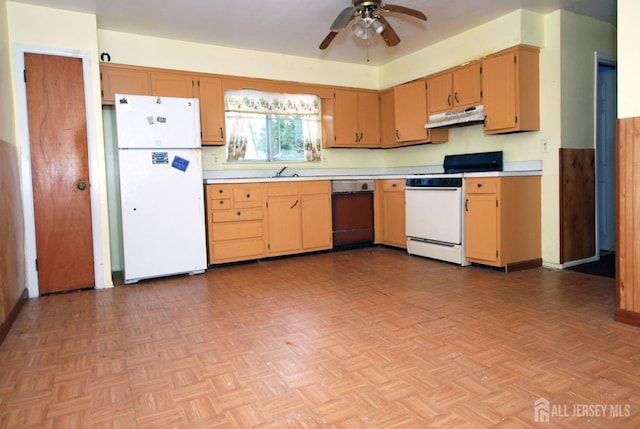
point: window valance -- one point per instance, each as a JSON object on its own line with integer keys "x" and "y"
{"x": 252, "y": 101}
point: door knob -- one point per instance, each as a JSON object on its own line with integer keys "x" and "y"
{"x": 82, "y": 186}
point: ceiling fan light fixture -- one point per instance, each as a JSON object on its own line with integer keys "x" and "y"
{"x": 360, "y": 29}
{"x": 377, "y": 26}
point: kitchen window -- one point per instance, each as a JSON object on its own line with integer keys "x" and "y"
{"x": 264, "y": 126}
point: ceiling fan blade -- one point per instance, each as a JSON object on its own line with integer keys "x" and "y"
{"x": 389, "y": 35}
{"x": 343, "y": 18}
{"x": 404, "y": 10}
{"x": 327, "y": 40}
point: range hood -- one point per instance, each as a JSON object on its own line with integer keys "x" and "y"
{"x": 455, "y": 117}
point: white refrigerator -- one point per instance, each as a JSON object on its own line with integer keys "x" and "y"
{"x": 161, "y": 187}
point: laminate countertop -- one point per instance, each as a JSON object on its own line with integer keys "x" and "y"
{"x": 521, "y": 168}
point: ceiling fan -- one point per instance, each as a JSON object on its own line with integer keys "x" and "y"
{"x": 369, "y": 20}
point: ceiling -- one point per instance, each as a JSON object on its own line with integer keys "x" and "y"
{"x": 295, "y": 27}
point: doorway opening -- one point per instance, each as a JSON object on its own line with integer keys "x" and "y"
{"x": 605, "y": 170}
{"x": 606, "y": 115}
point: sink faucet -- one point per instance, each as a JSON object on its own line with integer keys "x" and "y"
{"x": 279, "y": 173}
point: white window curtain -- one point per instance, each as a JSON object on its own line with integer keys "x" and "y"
{"x": 245, "y": 107}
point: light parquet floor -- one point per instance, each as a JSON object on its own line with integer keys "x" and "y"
{"x": 367, "y": 338}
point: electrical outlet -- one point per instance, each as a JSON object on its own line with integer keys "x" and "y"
{"x": 544, "y": 146}
{"x": 215, "y": 159}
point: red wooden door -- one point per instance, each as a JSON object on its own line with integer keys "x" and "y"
{"x": 59, "y": 165}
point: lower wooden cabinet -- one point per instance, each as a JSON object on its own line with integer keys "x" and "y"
{"x": 390, "y": 213}
{"x": 255, "y": 220}
{"x": 298, "y": 217}
{"x": 235, "y": 222}
{"x": 503, "y": 221}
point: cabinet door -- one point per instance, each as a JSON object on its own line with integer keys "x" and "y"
{"x": 212, "y": 115}
{"x": 171, "y": 84}
{"x": 481, "y": 234}
{"x": 387, "y": 119}
{"x": 410, "y": 100}
{"x": 122, "y": 80}
{"x": 345, "y": 118}
{"x": 316, "y": 221}
{"x": 369, "y": 119}
{"x": 285, "y": 231}
{"x": 393, "y": 213}
{"x": 499, "y": 86}
{"x": 439, "y": 88}
{"x": 467, "y": 85}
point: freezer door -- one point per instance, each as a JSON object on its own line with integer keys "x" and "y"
{"x": 157, "y": 122}
{"x": 163, "y": 223}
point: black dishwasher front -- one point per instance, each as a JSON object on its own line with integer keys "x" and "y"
{"x": 352, "y": 213}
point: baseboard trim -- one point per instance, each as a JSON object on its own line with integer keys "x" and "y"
{"x": 6, "y": 325}
{"x": 627, "y": 317}
{"x": 524, "y": 265}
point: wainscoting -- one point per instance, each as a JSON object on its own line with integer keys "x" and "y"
{"x": 628, "y": 221}
{"x": 577, "y": 204}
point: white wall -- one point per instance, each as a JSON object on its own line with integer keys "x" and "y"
{"x": 629, "y": 59}
{"x": 519, "y": 27}
{"x": 7, "y": 119}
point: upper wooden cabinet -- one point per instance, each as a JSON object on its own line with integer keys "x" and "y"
{"x": 174, "y": 84}
{"x": 455, "y": 88}
{"x": 511, "y": 86}
{"x": 356, "y": 119}
{"x": 123, "y": 80}
{"x": 387, "y": 119}
{"x": 410, "y": 116}
{"x": 207, "y": 89}
{"x": 212, "y": 114}
{"x": 143, "y": 81}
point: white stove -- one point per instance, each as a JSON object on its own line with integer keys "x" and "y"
{"x": 435, "y": 224}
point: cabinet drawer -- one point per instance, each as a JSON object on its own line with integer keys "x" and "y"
{"x": 482, "y": 186}
{"x": 238, "y": 249}
{"x": 393, "y": 184}
{"x": 237, "y": 230}
{"x": 237, "y": 215}
{"x": 218, "y": 191}
{"x": 321, "y": 187}
{"x": 219, "y": 204}
{"x": 249, "y": 196}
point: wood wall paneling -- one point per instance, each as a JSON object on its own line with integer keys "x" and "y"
{"x": 577, "y": 204}
{"x": 628, "y": 221}
{"x": 12, "y": 272}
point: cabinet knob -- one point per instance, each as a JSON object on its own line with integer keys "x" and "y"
{"x": 248, "y": 195}
{"x": 479, "y": 185}
{"x": 239, "y": 213}
{"x": 220, "y": 191}
{"x": 393, "y": 185}
{"x": 221, "y": 202}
